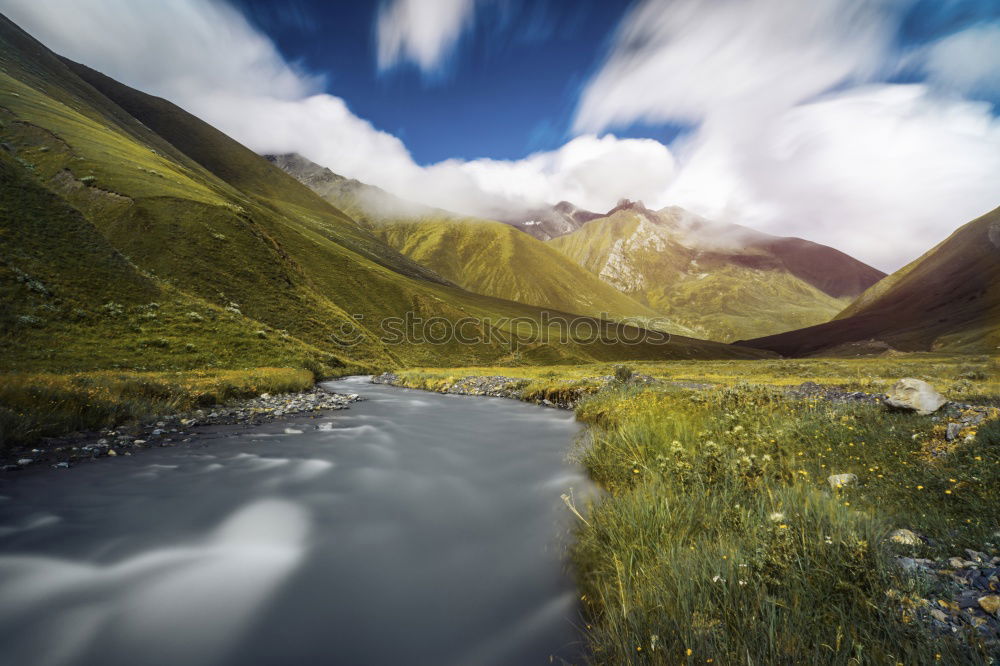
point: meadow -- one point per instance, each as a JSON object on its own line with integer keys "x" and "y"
{"x": 719, "y": 538}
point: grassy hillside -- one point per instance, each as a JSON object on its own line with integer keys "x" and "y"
{"x": 696, "y": 278}
{"x": 948, "y": 299}
{"x": 482, "y": 256}
{"x": 202, "y": 227}
{"x": 496, "y": 259}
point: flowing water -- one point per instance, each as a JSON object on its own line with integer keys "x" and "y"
{"x": 414, "y": 528}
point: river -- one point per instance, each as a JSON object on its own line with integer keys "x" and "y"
{"x": 414, "y": 528}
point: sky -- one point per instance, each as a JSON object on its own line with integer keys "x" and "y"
{"x": 868, "y": 125}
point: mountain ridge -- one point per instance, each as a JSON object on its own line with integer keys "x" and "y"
{"x": 946, "y": 299}
{"x": 242, "y": 263}
{"x": 720, "y": 280}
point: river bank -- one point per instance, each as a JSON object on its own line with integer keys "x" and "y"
{"x": 897, "y": 560}
{"x": 65, "y": 451}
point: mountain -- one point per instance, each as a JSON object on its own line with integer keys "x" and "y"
{"x": 948, "y": 299}
{"x": 551, "y": 222}
{"x": 367, "y": 204}
{"x": 483, "y": 256}
{"x": 722, "y": 281}
{"x": 136, "y": 235}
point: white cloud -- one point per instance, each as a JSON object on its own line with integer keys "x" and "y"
{"x": 967, "y": 61}
{"x": 687, "y": 60}
{"x": 880, "y": 172}
{"x": 207, "y": 58}
{"x": 180, "y": 49}
{"x": 423, "y": 31}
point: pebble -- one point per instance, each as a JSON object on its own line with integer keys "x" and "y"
{"x": 966, "y": 591}
{"x": 990, "y": 603}
{"x": 254, "y": 411}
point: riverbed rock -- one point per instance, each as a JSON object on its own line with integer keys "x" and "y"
{"x": 838, "y": 481}
{"x": 914, "y": 395}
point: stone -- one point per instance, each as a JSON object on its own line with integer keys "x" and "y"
{"x": 914, "y": 395}
{"x": 952, "y": 431}
{"x": 939, "y": 615}
{"x": 990, "y": 603}
{"x": 838, "y": 481}
{"x": 112, "y": 452}
{"x": 25, "y": 461}
{"x": 905, "y": 537}
{"x": 61, "y": 465}
{"x": 975, "y": 555}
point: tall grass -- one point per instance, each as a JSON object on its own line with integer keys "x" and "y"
{"x": 721, "y": 542}
{"x": 33, "y": 406}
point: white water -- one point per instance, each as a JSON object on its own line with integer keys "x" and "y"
{"x": 414, "y": 528}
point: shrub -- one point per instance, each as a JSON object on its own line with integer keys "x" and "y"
{"x": 623, "y": 374}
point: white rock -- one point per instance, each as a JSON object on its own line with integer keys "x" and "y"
{"x": 915, "y": 395}
{"x": 841, "y": 480}
{"x": 905, "y": 537}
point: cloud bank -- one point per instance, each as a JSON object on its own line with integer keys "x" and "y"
{"x": 206, "y": 57}
{"x": 794, "y": 133}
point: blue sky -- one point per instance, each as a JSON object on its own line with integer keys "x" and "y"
{"x": 509, "y": 90}
{"x": 513, "y": 81}
{"x": 868, "y": 125}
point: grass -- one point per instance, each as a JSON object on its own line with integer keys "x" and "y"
{"x": 33, "y": 406}
{"x": 719, "y": 539}
{"x": 959, "y": 377}
{"x": 498, "y": 260}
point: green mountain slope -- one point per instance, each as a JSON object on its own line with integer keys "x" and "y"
{"x": 723, "y": 282}
{"x": 496, "y": 259}
{"x": 483, "y": 256}
{"x": 948, "y": 299}
{"x": 204, "y": 222}
{"x": 62, "y": 281}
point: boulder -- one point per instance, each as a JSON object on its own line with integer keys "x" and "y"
{"x": 837, "y": 481}
{"x": 914, "y": 395}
